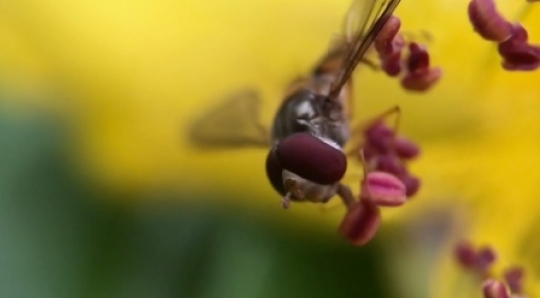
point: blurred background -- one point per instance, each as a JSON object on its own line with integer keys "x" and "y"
{"x": 102, "y": 194}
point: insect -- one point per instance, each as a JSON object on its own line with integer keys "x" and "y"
{"x": 306, "y": 161}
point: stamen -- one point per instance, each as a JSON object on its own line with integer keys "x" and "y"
{"x": 477, "y": 260}
{"x": 480, "y": 262}
{"x": 389, "y": 45}
{"x": 494, "y": 289}
{"x": 389, "y": 163}
{"x": 514, "y": 278}
{"x": 385, "y": 42}
{"x": 384, "y": 151}
{"x": 412, "y": 184}
{"x": 383, "y": 189}
{"x": 465, "y": 254}
{"x": 379, "y": 136}
{"x": 405, "y": 148}
{"x": 485, "y": 258}
{"x": 419, "y": 76}
{"x": 361, "y": 222}
{"x": 419, "y": 58}
{"x": 421, "y": 81}
{"x": 488, "y": 22}
{"x": 517, "y": 53}
{"x": 513, "y": 46}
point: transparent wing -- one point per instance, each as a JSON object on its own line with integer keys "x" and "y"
{"x": 358, "y": 17}
{"x": 232, "y": 124}
{"x": 364, "y": 20}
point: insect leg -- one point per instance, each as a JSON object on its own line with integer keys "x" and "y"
{"x": 346, "y": 195}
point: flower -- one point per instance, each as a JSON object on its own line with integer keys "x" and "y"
{"x": 130, "y": 78}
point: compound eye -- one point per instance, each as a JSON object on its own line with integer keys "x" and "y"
{"x": 274, "y": 171}
{"x": 311, "y": 158}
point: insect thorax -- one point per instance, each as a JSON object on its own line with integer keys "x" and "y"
{"x": 306, "y": 111}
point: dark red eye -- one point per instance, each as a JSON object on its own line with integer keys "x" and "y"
{"x": 311, "y": 158}
{"x": 274, "y": 171}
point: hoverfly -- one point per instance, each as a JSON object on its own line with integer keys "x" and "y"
{"x": 306, "y": 160}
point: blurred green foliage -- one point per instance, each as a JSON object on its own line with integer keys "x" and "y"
{"x": 62, "y": 238}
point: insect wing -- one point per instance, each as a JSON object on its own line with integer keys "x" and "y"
{"x": 232, "y": 124}
{"x": 357, "y": 17}
{"x": 364, "y": 20}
